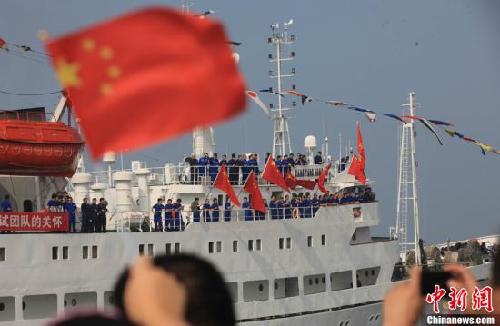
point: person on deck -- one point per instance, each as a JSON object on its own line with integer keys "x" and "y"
{"x": 193, "y": 169}
{"x": 101, "y": 215}
{"x": 6, "y": 205}
{"x": 227, "y": 210}
{"x": 315, "y": 204}
{"x": 169, "y": 215}
{"x": 280, "y": 208}
{"x": 70, "y": 207}
{"x": 202, "y": 165}
{"x": 223, "y": 160}
{"x": 233, "y": 169}
{"x": 240, "y": 164}
{"x": 253, "y": 165}
{"x": 195, "y": 208}
{"x": 273, "y": 208}
{"x": 52, "y": 203}
{"x": 285, "y": 164}
{"x": 86, "y": 209}
{"x": 245, "y": 168}
{"x": 294, "y": 203}
{"x": 318, "y": 159}
{"x": 247, "y": 211}
{"x": 279, "y": 163}
{"x": 206, "y": 211}
{"x": 177, "y": 215}
{"x": 287, "y": 207}
{"x": 214, "y": 167}
{"x": 93, "y": 214}
{"x": 157, "y": 210}
{"x": 215, "y": 210}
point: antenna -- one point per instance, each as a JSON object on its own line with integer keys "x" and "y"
{"x": 407, "y": 185}
{"x": 280, "y": 39}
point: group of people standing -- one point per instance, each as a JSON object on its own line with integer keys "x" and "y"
{"x": 94, "y": 215}
{"x": 240, "y": 165}
{"x": 171, "y": 213}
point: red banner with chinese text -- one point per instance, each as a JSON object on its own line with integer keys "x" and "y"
{"x": 34, "y": 221}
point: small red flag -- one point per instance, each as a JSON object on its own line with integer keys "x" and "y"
{"x": 322, "y": 177}
{"x": 147, "y": 76}
{"x": 251, "y": 187}
{"x": 308, "y": 184}
{"x": 357, "y": 170}
{"x": 290, "y": 180}
{"x": 273, "y": 175}
{"x": 222, "y": 182}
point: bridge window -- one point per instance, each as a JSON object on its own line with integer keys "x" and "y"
{"x": 151, "y": 249}
{"x": 250, "y": 245}
{"x": 367, "y": 276}
{"x": 81, "y": 299}
{"x": 256, "y": 290}
{"x": 233, "y": 290}
{"x": 323, "y": 239}
{"x": 7, "y": 309}
{"x": 109, "y": 298}
{"x": 65, "y": 253}
{"x": 85, "y": 252}
{"x": 314, "y": 283}
{"x": 286, "y": 287}
{"x": 341, "y": 280}
{"x": 258, "y": 245}
{"x": 39, "y": 306}
{"x": 55, "y": 253}
{"x": 309, "y": 241}
{"x": 2, "y": 254}
{"x": 235, "y": 246}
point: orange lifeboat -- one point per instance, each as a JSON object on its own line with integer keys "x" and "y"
{"x": 38, "y": 148}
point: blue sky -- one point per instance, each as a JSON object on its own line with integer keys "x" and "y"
{"x": 371, "y": 53}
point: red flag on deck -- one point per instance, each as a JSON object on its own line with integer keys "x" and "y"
{"x": 147, "y": 76}
{"x": 222, "y": 182}
{"x": 252, "y": 188}
{"x": 357, "y": 168}
{"x": 273, "y": 175}
{"x": 322, "y": 178}
{"x": 308, "y": 184}
{"x": 290, "y": 180}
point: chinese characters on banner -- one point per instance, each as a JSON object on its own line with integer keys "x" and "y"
{"x": 481, "y": 298}
{"x": 34, "y": 221}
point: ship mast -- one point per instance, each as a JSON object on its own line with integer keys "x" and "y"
{"x": 407, "y": 184}
{"x": 280, "y": 40}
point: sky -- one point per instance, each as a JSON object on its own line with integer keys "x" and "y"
{"x": 371, "y": 53}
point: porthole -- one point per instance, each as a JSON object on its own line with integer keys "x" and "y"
{"x": 73, "y": 302}
{"x": 373, "y": 272}
{"x": 346, "y": 323}
{"x": 310, "y": 281}
{"x": 24, "y": 305}
{"x": 371, "y": 318}
{"x": 261, "y": 287}
{"x": 376, "y": 316}
{"x": 341, "y": 323}
{"x": 366, "y": 273}
{"x": 276, "y": 285}
{"x": 111, "y": 299}
{"x": 2, "y": 306}
{"x": 316, "y": 280}
{"x": 323, "y": 280}
{"x": 65, "y": 303}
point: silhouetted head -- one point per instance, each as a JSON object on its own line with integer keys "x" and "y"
{"x": 208, "y": 301}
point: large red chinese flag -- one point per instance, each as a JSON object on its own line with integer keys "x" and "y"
{"x": 273, "y": 175}
{"x": 322, "y": 178}
{"x": 147, "y": 76}
{"x": 361, "y": 147}
{"x": 251, "y": 187}
{"x": 308, "y": 184}
{"x": 222, "y": 182}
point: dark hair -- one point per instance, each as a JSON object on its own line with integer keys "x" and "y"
{"x": 7, "y": 196}
{"x": 89, "y": 318}
{"x": 208, "y": 301}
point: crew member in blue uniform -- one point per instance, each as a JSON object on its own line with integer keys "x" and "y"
{"x": 227, "y": 210}
{"x": 279, "y": 163}
{"x": 245, "y": 168}
{"x": 157, "y": 210}
{"x": 252, "y": 164}
{"x": 315, "y": 204}
{"x": 306, "y": 204}
{"x": 287, "y": 207}
{"x": 285, "y": 164}
{"x": 223, "y": 160}
{"x": 70, "y": 207}
{"x": 295, "y": 206}
{"x": 291, "y": 160}
{"x": 52, "y": 203}
{"x": 6, "y": 204}
{"x": 214, "y": 167}
{"x": 206, "y": 211}
{"x": 280, "y": 208}
{"x": 169, "y": 215}
{"x": 215, "y": 210}
{"x": 233, "y": 169}
{"x": 202, "y": 165}
{"x": 246, "y": 208}
{"x": 273, "y": 208}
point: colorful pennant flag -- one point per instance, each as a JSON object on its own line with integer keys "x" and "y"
{"x": 259, "y": 102}
{"x": 304, "y": 98}
{"x": 396, "y": 117}
{"x": 427, "y": 124}
{"x": 370, "y": 115}
{"x": 307, "y": 184}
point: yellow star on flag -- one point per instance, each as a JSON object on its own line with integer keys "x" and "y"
{"x": 67, "y": 73}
